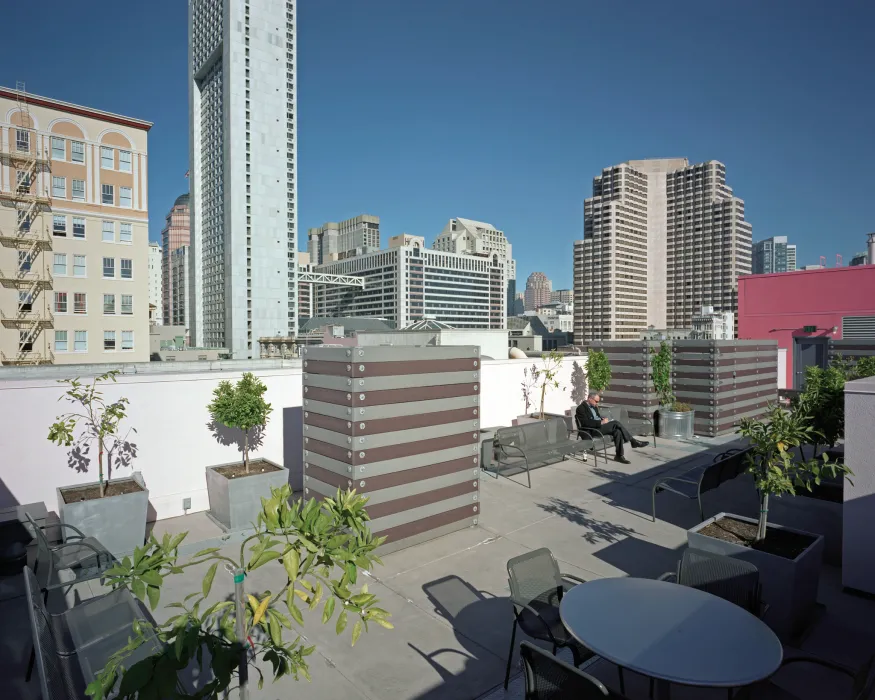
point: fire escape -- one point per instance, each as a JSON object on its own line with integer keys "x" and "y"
{"x": 27, "y": 200}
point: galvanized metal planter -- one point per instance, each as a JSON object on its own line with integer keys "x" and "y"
{"x": 117, "y": 522}
{"x": 401, "y": 425}
{"x": 676, "y": 425}
{"x": 236, "y": 503}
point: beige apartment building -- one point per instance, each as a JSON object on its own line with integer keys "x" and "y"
{"x": 74, "y": 240}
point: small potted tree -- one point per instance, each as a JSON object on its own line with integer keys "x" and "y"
{"x": 789, "y": 560}
{"x": 676, "y": 418}
{"x": 235, "y": 489}
{"x": 319, "y": 548}
{"x": 547, "y": 377}
{"x": 598, "y": 371}
{"x": 113, "y": 511}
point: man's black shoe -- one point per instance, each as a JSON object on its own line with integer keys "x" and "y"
{"x": 637, "y": 444}
{"x": 622, "y": 460}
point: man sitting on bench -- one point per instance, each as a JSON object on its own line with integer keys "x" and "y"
{"x": 588, "y": 417}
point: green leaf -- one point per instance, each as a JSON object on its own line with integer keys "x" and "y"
{"x": 260, "y": 610}
{"x": 204, "y": 552}
{"x": 356, "y": 631}
{"x": 153, "y": 593}
{"x": 328, "y": 611}
{"x": 208, "y": 579}
{"x": 276, "y": 635}
{"x": 138, "y": 588}
{"x": 341, "y": 623}
{"x": 317, "y": 596}
{"x": 291, "y": 562}
{"x": 384, "y": 623}
{"x": 263, "y": 559}
{"x": 153, "y": 578}
{"x": 294, "y": 611}
{"x": 137, "y": 676}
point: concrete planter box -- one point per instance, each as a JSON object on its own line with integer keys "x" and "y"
{"x": 676, "y": 425}
{"x": 235, "y": 503}
{"x": 117, "y": 522}
{"x": 789, "y": 585}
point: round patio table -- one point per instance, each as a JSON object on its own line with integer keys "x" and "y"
{"x": 672, "y": 633}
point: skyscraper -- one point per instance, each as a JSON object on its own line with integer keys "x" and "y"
{"x": 538, "y": 291}
{"x": 156, "y": 294}
{"x": 773, "y": 255}
{"x": 333, "y": 241}
{"x": 242, "y": 111}
{"x": 175, "y": 234}
{"x": 661, "y": 239}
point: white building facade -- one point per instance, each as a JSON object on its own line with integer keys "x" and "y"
{"x": 242, "y": 111}
{"x": 156, "y": 287}
{"x": 347, "y": 239}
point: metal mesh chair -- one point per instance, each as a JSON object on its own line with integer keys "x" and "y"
{"x": 549, "y": 678}
{"x": 85, "y": 557}
{"x": 536, "y": 589}
{"x": 862, "y": 687}
{"x": 731, "y": 579}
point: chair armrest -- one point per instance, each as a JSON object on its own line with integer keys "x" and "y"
{"x": 593, "y": 433}
{"x": 572, "y": 578}
{"x": 81, "y": 543}
{"x": 677, "y": 478}
{"x": 534, "y": 612}
{"x": 504, "y": 449}
{"x": 668, "y": 576}
{"x": 79, "y": 534}
{"x": 833, "y": 665}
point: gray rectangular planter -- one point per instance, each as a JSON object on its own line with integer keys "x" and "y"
{"x": 117, "y": 522}
{"x": 789, "y": 585}
{"x": 810, "y": 514}
{"x": 236, "y": 503}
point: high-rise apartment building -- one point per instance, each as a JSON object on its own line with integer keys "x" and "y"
{"x": 662, "y": 238}
{"x": 406, "y": 282}
{"x": 74, "y": 233}
{"x": 243, "y": 163}
{"x": 337, "y": 241}
{"x": 180, "y": 287}
{"x": 175, "y": 234}
{"x": 538, "y": 292}
{"x": 156, "y": 287}
{"x": 562, "y": 296}
{"x": 773, "y": 255}
{"x": 468, "y": 237}
{"x": 306, "y": 300}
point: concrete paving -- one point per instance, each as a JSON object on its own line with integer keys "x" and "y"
{"x": 449, "y": 597}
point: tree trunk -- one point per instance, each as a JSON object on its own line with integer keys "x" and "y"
{"x": 543, "y": 396}
{"x": 100, "y": 468}
{"x": 246, "y": 450}
{"x": 764, "y": 517}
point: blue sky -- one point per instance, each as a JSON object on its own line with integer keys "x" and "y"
{"x": 504, "y": 110}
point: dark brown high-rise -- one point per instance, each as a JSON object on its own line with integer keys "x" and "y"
{"x": 176, "y": 233}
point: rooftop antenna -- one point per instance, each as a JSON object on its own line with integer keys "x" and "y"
{"x": 838, "y": 259}
{"x": 823, "y": 261}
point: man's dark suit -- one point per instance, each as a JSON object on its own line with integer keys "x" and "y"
{"x": 588, "y": 417}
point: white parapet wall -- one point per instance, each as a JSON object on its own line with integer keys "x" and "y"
{"x": 858, "y": 524}
{"x": 169, "y": 422}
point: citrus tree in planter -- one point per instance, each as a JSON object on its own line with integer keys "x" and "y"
{"x": 113, "y": 512}
{"x": 547, "y": 375}
{"x": 681, "y": 414}
{"x": 235, "y": 489}
{"x": 598, "y": 371}
{"x": 316, "y": 550}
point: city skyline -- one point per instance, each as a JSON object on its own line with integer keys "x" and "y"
{"x": 759, "y": 127}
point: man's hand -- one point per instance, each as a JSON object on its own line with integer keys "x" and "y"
{"x": 604, "y": 420}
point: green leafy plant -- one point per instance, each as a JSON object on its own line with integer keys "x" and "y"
{"x": 318, "y": 548}
{"x": 773, "y": 462}
{"x": 100, "y": 420}
{"x": 680, "y": 407}
{"x": 661, "y": 373}
{"x": 547, "y": 373}
{"x": 598, "y": 370}
{"x": 241, "y": 406}
{"x": 865, "y": 367}
{"x": 530, "y": 379}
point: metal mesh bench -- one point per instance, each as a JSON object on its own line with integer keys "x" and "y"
{"x": 703, "y": 478}
{"x": 537, "y": 444}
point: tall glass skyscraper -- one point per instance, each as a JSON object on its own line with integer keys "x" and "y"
{"x": 242, "y": 117}
{"x": 773, "y": 255}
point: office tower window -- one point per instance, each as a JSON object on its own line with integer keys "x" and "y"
{"x": 107, "y": 195}
{"x": 106, "y": 158}
{"x": 60, "y": 266}
{"x": 78, "y": 190}
{"x": 80, "y": 341}
{"x": 109, "y": 340}
{"x": 109, "y": 304}
{"x": 127, "y": 340}
{"x": 79, "y": 266}
{"x": 22, "y": 140}
{"x": 77, "y": 152}
{"x": 78, "y": 227}
{"x": 127, "y": 304}
{"x": 59, "y": 186}
{"x": 127, "y": 269}
{"x": 60, "y": 302}
{"x": 80, "y": 303}
{"x": 109, "y": 268}
{"x": 124, "y": 197}
{"x": 109, "y": 231}
{"x": 59, "y": 150}
{"x": 59, "y": 225}
{"x": 60, "y": 341}
{"x": 125, "y": 233}
{"x": 124, "y": 161}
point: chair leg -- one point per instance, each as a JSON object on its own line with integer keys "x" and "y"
{"x": 701, "y": 510}
{"x": 622, "y": 681}
{"x": 528, "y": 474}
{"x": 510, "y": 655}
{"x": 651, "y": 688}
{"x": 30, "y": 664}
{"x": 653, "y": 499}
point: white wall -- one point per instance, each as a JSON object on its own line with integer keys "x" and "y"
{"x": 782, "y": 368}
{"x": 174, "y": 444}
